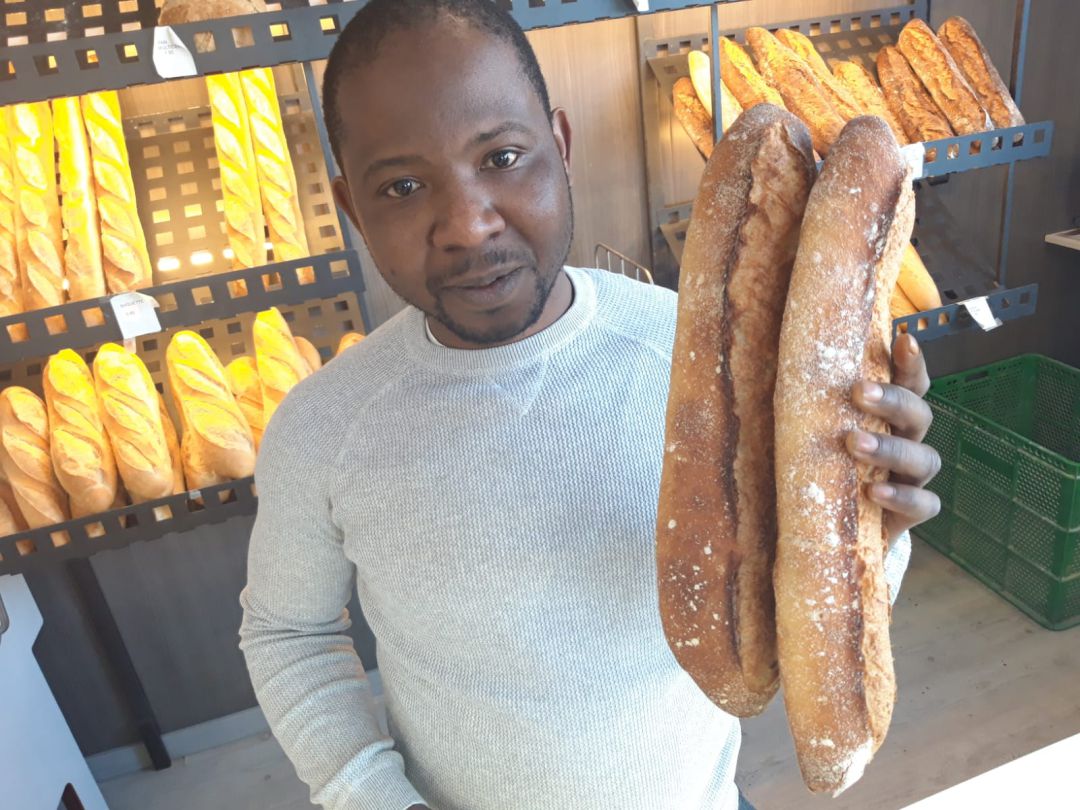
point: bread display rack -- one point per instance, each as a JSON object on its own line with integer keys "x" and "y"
{"x": 961, "y": 271}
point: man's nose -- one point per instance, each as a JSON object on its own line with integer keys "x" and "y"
{"x": 466, "y": 218}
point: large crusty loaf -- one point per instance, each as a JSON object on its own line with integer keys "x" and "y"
{"x": 796, "y": 82}
{"x": 280, "y": 364}
{"x": 37, "y": 212}
{"x": 693, "y": 116}
{"x": 174, "y": 12}
{"x": 132, "y": 419}
{"x": 748, "y": 86}
{"x": 81, "y": 453}
{"x": 123, "y": 241}
{"x": 217, "y": 444}
{"x": 907, "y": 98}
{"x": 839, "y": 95}
{"x": 701, "y": 78}
{"x": 957, "y": 35}
{"x": 865, "y": 90}
{"x": 939, "y": 74}
{"x": 244, "y": 381}
{"x": 277, "y": 179}
{"x": 11, "y": 295}
{"x": 172, "y": 441}
{"x": 832, "y": 600}
{"x": 24, "y": 455}
{"x": 82, "y": 253}
{"x": 244, "y": 223}
{"x": 716, "y": 531}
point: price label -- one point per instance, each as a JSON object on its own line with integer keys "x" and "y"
{"x": 136, "y": 314}
{"x": 980, "y": 312}
{"x": 172, "y": 59}
{"x": 915, "y": 155}
{"x": 640, "y": 5}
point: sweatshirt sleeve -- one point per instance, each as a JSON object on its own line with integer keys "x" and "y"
{"x": 896, "y": 563}
{"x": 307, "y": 676}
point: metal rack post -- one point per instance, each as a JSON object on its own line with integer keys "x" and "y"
{"x": 1020, "y": 35}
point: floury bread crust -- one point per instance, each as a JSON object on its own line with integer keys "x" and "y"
{"x": 832, "y": 605}
{"x": 716, "y": 531}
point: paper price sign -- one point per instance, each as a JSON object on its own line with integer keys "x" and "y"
{"x": 915, "y": 155}
{"x": 136, "y": 314}
{"x": 172, "y": 59}
{"x": 980, "y": 312}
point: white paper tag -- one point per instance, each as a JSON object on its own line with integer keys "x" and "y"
{"x": 641, "y": 5}
{"x": 136, "y": 314}
{"x": 915, "y": 155}
{"x": 172, "y": 59}
{"x": 979, "y": 309}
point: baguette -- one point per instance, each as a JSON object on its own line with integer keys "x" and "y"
{"x": 866, "y": 92}
{"x": 938, "y": 72}
{"x": 38, "y": 233}
{"x": 280, "y": 364}
{"x": 971, "y": 57}
{"x": 244, "y": 382}
{"x": 916, "y": 282}
{"x": 82, "y": 254}
{"x": 11, "y": 294}
{"x": 123, "y": 242}
{"x": 217, "y": 444}
{"x": 716, "y": 533}
{"x": 693, "y": 116}
{"x": 795, "y": 81}
{"x": 747, "y": 85}
{"x": 900, "y": 305}
{"x": 244, "y": 223}
{"x": 832, "y": 600}
{"x": 11, "y": 519}
{"x": 24, "y": 455}
{"x": 309, "y": 353}
{"x": 172, "y": 441}
{"x": 132, "y": 419}
{"x": 839, "y": 96}
{"x": 701, "y": 78}
{"x": 277, "y": 179}
{"x": 908, "y": 99}
{"x": 81, "y": 454}
{"x": 348, "y": 340}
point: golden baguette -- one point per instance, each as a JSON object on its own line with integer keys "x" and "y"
{"x": 701, "y": 78}
{"x": 132, "y": 419}
{"x": 37, "y": 211}
{"x": 908, "y": 99}
{"x": 217, "y": 444}
{"x": 11, "y": 294}
{"x": 280, "y": 364}
{"x": 82, "y": 255}
{"x": 737, "y": 71}
{"x": 864, "y": 88}
{"x": 81, "y": 454}
{"x": 916, "y": 282}
{"x": 957, "y": 35}
{"x": 277, "y": 179}
{"x": 693, "y": 116}
{"x": 173, "y": 443}
{"x": 24, "y": 455}
{"x": 900, "y": 305}
{"x": 348, "y": 340}
{"x": 309, "y": 353}
{"x": 244, "y": 381}
{"x": 244, "y": 223}
{"x": 839, "y": 95}
{"x": 125, "y": 258}
{"x": 11, "y": 519}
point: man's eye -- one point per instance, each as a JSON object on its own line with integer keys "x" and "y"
{"x": 503, "y": 159}
{"x": 402, "y": 188}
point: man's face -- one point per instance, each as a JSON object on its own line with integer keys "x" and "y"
{"x": 457, "y": 179}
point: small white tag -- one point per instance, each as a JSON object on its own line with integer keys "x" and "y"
{"x": 172, "y": 59}
{"x": 979, "y": 309}
{"x": 915, "y": 155}
{"x": 641, "y": 5}
{"x": 136, "y": 314}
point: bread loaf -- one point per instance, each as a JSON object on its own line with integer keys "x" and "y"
{"x": 795, "y": 81}
{"x": 277, "y": 180}
{"x": 217, "y": 444}
{"x": 938, "y": 72}
{"x": 24, "y": 455}
{"x": 40, "y": 245}
{"x": 244, "y": 382}
{"x": 174, "y": 12}
{"x": 280, "y": 364}
{"x": 123, "y": 241}
{"x": 701, "y": 78}
{"x": 832, "y": 600}
{"x": 867, "y": 94}
{"x": 900, "y": 305}
{"x": 916, "y": 282}
{"x": 963, "y": 44}
{"x": 132, "y": 420}
{"x": 716, "y": 533}
{"x": 348, "y": 340}
{"x": 172, "y": 441}
{"x": 908, "y": 99}
{"x": 309, "y": 353}
{"x": 693, "y": 116}
{"x": 82, "y": 253}
{"x": 839, "y": 96}
{"x": 11, "y": 519}
{"x": 11, "y": 295}
{"x": 747, "y": 85}
{"x": 244, "y": 222}
{"x": 81, "y": 454}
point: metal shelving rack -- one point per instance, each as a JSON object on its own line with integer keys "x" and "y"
{"x": 960, "y": 275}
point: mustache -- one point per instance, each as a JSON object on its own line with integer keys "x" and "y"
{"x": 488, "y": 260}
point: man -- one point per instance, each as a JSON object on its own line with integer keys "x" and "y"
{"x": 485, "y": 467}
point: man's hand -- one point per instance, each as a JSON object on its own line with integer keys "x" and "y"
{"x": 910, "y": 463}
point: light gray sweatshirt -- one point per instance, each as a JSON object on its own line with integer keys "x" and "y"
{"x": 496, "y": 511}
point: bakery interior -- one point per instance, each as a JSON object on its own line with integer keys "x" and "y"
{"x": 124, "y": 684}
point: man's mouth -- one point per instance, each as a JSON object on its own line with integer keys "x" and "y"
{"x": 479, "y": 282}
{"x": 487, "y": 291}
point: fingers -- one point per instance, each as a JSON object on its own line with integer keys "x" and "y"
{"x": 905, "y": 506}
{"x": 905, "y": 411}
{"x": 909, "y": 366}
{"x": 907, "y": 461}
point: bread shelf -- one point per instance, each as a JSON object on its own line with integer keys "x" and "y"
{"x": 1066, "y": 239}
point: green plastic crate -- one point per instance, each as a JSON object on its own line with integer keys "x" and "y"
{"x": 1009, "y": 439}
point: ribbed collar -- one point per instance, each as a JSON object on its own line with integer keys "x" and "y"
{"x": 514, "y": 355}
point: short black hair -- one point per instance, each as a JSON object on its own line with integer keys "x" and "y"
{"x": 359, "y": 44}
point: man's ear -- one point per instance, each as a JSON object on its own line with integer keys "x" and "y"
{"x": 343, "y": 198}
{"x": 560, "y": 128}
